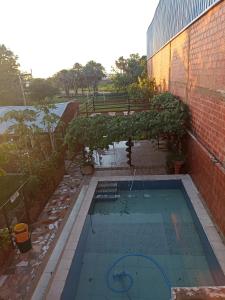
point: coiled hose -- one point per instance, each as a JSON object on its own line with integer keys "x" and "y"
{"x": 130, "y": 278}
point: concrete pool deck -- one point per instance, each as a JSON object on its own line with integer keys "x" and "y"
{"x": 145, "y": 155}
{"x": 52, "y": 281}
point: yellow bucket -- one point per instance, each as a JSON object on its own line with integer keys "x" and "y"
{"x": 21, "y": 232}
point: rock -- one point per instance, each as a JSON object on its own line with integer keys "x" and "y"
{"x": 47, "y": 235}
{"x": 46, "y": 221}
{"x": 53, "y": 218}
{"x": 23, "y": 264}
{"x": 37, "y": 248}
{"x": 37, "y": 230}
{"x": 51, "y": 226}
{"x": 56, "y": 224}
{"x": 54, "y": 202}
{"x": 36, "y": 264}
{"x": 66, "y": 198}
{"x": 76, "y": 182}
{"x": 62, "y": 214}
{"x": 3, "y": 279}
{"x": 45, "y": 248}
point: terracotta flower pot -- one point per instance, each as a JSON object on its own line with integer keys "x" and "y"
{"x": 177, "y": 166}
{"x": 87, "y": 169}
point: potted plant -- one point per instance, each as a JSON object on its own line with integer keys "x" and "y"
{"x": 87, "y": 164}
{"x": 179, "y": 160}
{"x": 175, "y": 161}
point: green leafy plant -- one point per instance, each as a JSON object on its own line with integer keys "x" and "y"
{"x": 167, "y": 117}
{"x": 127, "y": 71}
{"x": 4, "y": 239}
{"x": 144, "y": 88}
{"x": 33, "y": 184}
{"x": 10, "y": 91}
{"x": 5, "y": 149}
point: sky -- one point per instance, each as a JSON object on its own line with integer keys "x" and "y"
{"x": 51, "y": 35}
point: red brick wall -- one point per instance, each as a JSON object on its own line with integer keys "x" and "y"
{"x": 196, "y": 72}
{"x": 210, "y": 180}
{"x": 207, "y": 79}
{"x": 159, "y": 68}
{"x": 179, "y": 65}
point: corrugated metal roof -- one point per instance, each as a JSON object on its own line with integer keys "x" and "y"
{"x": 58, "y": 110}
{"x": 171, "y": 17}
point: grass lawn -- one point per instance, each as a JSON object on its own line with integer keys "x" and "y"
{"x": 8, "y": 185}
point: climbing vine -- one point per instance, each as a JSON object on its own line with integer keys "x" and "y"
{"x": 167, "y": 117}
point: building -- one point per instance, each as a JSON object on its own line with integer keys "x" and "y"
{"x": 65, "y": 111}
{"x": 186, "y": 56}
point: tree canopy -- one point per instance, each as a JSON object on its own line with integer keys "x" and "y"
{"x": 130, "y": 75}
{"x": 9, "y": 77}
{"x": 128, "y": 70}
{"x": 93, "y": 73}
{"x": 40, "y": 89}
{"x": 25, "y": 141}
{"x": 79, "y": 76}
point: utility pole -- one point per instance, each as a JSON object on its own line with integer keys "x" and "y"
{"x": 27, "y": 76}
{"x": 22, "y": 90}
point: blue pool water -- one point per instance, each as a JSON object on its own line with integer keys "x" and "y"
{"x": 134, "y": 245}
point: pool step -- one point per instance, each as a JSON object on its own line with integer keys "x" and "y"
{"x": 106, "y": 197}
{"x": 106, "y": 191}
{"x": 108, "y": 184}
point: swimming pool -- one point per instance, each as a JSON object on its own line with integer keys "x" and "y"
{"x": 138, "y": 239}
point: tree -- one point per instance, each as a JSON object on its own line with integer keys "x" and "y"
{"x": 10, "y": 90}
{"x": 93, "y": 72}
{"x": 79, "y": 76}
{"x": 22, "y": 130}
{"x": 40, "y": 89}
{"x": 121, "y": 64}
{"x": 29, "y": 144}
{"x": 71, "y": 79}
{"x": 5, "y": 149}
{"x": 49, "y": 121}
{"x": 129, "y": 70}
{"x": 78, "y": 80}
{"x": 64, "y": 81}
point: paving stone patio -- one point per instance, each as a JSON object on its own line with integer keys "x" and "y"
{"x": 145, "y": 155}
{"x": 210, "y": 293}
